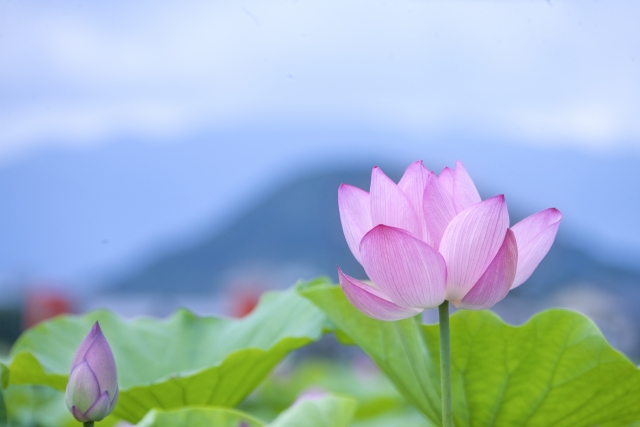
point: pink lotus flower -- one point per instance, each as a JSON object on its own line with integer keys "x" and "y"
{"x": 92, "y": 390}
{"x": 431, "y": 238}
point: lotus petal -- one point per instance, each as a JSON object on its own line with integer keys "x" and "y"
{"x": 446, "y": 178}
{"x": 83, "y": 387}
{"x": 413, "y": 184}
{"x": 438, "y": 209}
{"x": 86, "y": 342}
{"x": 470, "y": 242}
{"x": 495, "y": 282}
{"x": 409, "y": 271}
{"x": 390, "y": 206}
{"x": 100, "y": 409}
{"x": 79, "y": 416}
{"x": 534, "y": 235}
{"x": 100, "y": 359}
{"x": 355, "y": 215}
{"x": 465, "y": 193}
{"x": 114, "y": 401}
{"x": 372, "y": 301}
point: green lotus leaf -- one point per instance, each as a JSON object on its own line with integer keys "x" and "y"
{"x": 180, "y": 361}
{"x": 199, "y": 417}
{"x": 360, "y": 380}
{"x": 326, "y": 411}
{"x": 3, "y": 410}
{"x": 555, "y": 370}
{"x": 4, "y": 374}
{"x": 407, "y": 417}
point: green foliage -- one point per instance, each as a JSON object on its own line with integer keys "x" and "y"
{"x": 183, "y": 360}
{"x": 3, "y": 411}
{"x": 405, "y": 418}
{"x": 361, "y": 380}
{"x": 556, "y": 370}
{"x": 327, "y": 411}
{"x": 4, "y": 374}
{"x": 198, "y": 417}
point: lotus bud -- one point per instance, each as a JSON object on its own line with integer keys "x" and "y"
{"x": 92, "y": 390}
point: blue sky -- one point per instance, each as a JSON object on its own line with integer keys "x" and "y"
{"x": 536, "y": 79}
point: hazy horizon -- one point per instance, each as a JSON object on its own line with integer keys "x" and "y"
{"x": 78, "y": 216}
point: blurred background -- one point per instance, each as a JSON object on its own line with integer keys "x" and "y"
{"x": 163, "y": 154}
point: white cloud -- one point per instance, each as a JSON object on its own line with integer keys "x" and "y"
{"x": 583, "y": 124}
{"x": 77, "y": 73}
{"x": 74, "y": 125}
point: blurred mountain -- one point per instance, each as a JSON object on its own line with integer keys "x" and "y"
{"x": 297, "y": 228}
{"x": 297, "y": 231}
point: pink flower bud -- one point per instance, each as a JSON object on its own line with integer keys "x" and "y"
{"x": 92, "y": 390}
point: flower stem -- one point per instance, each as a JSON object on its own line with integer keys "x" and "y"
{"x": 445, "y": 365}
{"x": 88, "y": 424}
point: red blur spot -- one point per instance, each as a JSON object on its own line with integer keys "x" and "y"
{"x": 243, "y": 302}
{"x": 42, "y": 305}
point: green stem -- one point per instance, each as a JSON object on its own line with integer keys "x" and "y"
{"x": 88, "y": 424}
{"x": 445, "y": 365}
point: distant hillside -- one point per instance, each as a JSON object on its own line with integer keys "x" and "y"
{"x": 70, "y": 215}
{"x": 300, "y": 224}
